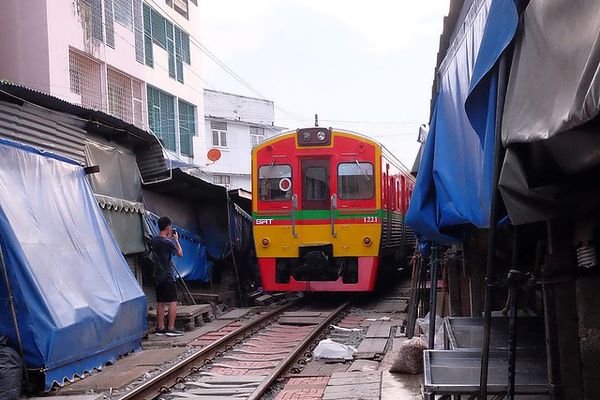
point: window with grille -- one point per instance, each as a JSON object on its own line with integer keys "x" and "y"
{"x": 138, "y": 30}
{"x": 187, "y": 127}
{"x": 162, "y": 32}
{"x": 148, "y": 49}
{"x": 219, "y": 133}
{"x": 109, "y": 23}
{"x": 91, "y": 15}
{"x": 257, "y": 135}
{"x": 123, "y": 11}
{"x": 124, "y": 97}
{"x": 97, "y": 24}
{"x": 161, "y": 116}
{"x": 85, "y": 80}
{"x": 221, "y": 179}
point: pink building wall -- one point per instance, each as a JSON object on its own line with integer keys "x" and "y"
{"x": 24, "y": 43}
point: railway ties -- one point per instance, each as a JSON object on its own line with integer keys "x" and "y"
{"x": 249, "y": 368}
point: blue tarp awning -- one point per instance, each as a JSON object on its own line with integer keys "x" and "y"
{"x": 453, "y": 187}
{"x": 194, "y": 265}
{"x": 78, "y": 304}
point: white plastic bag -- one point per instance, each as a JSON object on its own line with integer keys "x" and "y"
{"x": 439, "y": 331}
{"x": 327, "y": 348}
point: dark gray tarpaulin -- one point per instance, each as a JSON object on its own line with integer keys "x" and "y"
{"x": 550, "y": 125}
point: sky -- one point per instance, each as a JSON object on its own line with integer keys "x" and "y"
{"x": 365, "y": 66}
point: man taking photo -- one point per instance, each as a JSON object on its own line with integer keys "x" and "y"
{"x": 166, "y": 245}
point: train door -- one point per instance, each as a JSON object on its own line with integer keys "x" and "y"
{"x": 316, "y": 191}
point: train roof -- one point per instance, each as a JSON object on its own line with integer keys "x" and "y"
{"x": 388, "y": 154}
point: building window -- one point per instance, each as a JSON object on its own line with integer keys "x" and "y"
{"x": 85, "y": 80}
{"x": 161, "y": 116}
{"x": 219, "y": 133}
{"x": 123, "y": 11}
{"x": 181, "y": 6}
{"x": 257, "y": 135}
{"x": 124, "y": 97}
{"x": 187, "y": 127}
{"x": 138, "y": 30}
{"x": 162, "y": 32}
{"x": 148, "y": 49}
{"x": 109, "y": 26}
{"x": 221, "y": 179}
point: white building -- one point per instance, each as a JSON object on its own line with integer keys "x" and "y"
{"x": 234, "y": 124}
{"x": 137, "y": 60}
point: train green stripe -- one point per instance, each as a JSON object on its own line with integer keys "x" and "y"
{"x": 323, "y": 214}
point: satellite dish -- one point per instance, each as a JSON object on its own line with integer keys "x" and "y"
{"x": 213, "y": 154}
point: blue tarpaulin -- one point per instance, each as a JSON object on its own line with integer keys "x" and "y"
{"x": 194, "y": 265}
{"x": 78, "y": 304}
{"x": 454, "y": 182}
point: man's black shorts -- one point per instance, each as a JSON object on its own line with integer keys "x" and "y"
{"x": 166, "y": 292}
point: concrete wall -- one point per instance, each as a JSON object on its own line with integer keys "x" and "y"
{"x": 238, "y": 108}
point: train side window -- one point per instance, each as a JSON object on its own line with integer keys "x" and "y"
{"x": 393, "y": 193}
{"x": 275, "y": 182}
{"x": 398, "y": 196}
{"x": 356, "y": 181}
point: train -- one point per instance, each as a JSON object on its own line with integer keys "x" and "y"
{"x": 328, "y": 210}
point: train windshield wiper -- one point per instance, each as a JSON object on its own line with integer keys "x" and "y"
{"x": 364, "y": 171}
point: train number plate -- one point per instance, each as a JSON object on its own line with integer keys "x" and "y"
{"x": 370, "y": 219}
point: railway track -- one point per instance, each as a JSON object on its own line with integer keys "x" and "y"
{"x": 244, "y": 363}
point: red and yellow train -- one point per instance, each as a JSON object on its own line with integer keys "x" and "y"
{"x": 328, "y": 211}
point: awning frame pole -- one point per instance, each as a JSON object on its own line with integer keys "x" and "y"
{"x": 13, "y": 310}
{"x": 491, "y": 259}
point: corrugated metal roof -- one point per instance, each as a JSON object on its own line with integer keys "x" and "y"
{"x": 30, "y": 125}
{"x": 65, "y": 132}
{"x": 189, "y": 184}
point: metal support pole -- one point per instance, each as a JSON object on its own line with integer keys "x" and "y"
{"x": 433, "y": 296}
{"x": 491, "y": 260}
{"x": 414, "y": 298}
{"x": 551, "y": 326}
{"x": 514, "y": 276}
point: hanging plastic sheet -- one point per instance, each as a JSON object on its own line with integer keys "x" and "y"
{"x": 453, "y": 188}
{"x": 119, "y": 176}
{"x": 193, "y": 266}
{"x": 240, "y": 230}
{"x": 78, "y": 305}
{"x": 550, "y": 122}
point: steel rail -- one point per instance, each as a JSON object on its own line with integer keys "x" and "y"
{"x": 161, "y": 383}
{"x": 295, "y": 353}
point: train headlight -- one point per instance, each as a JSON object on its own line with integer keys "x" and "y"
{"x": 265, "y": 242}
{"x": 321, "y": 136}
{"x": 367, "y": 241}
